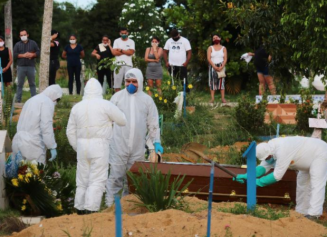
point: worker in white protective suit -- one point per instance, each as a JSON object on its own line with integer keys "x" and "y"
{"x": 35, "y": 126}
{"x": 128, "y": 143}
{"x": 305, "y": 154}
{"x": 89, "y": 131}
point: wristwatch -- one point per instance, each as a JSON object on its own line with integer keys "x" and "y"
{"x": 121, "y": 50}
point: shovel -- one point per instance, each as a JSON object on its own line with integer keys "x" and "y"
{"x": 186, "y": 149}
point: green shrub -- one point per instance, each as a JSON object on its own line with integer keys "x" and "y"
{"x": 249, "y": 115}
{"x": 303, "y": 112}
{"x": 156, "y": 192}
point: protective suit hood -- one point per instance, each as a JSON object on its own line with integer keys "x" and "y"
{"x": 135, "y": 73}
{"x": 263, "y": 151}
{"x": 54, "y": 92}
{"x": 93, "y": 89}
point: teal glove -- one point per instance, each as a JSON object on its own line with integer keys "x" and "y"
{"x": 259, "y": 171}
{"x": 241, "y": 178}
{"x": 158, "y": 147}
{"x": 53, "y": 154}
{"x": 266, "y": 180}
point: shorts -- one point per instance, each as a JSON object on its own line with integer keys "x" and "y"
{"x": 263, "y": 71}
{"x": 118, "y": 78}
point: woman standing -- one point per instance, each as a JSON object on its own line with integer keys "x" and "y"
{"x": 73, "y": 52}
{"x": 6, "y": 61}
{"x": 102, "y": 51}
{"x": 261, "y": 60}
{"x": 154, "y": 69}
{"x": 217, "y": 58}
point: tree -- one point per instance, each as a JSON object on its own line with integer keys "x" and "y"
{"x": 143, "y": 21}
{"x": 45, "y": 45}
{"x": 8, "y": 27}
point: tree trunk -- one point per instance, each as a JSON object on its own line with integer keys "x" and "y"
{"x": 8, "y": 29}
{"x": 45, "y": 45}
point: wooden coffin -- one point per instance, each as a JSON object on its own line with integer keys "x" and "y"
{"x": 225, "y": 189}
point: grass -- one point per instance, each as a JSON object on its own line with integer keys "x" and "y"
{"x": 9, "y": 222}
{"x": 264, "y": 212}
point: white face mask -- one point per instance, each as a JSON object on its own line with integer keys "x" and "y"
{"x": 105, "y": 44}
{"x": 2, "y": 44}
{"x": 23, "y": 38}
{"x": 154, "y": 44}
{"x": 72, "y": 41}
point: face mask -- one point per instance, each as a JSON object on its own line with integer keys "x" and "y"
{"x": 72, "y": 41}
{"x": 154, "y": 44}
{"x": 216, "y": 41}
{"x": 271, "y": 161}
{"x": 124, "y": 36}
{"x": 105, "y": 45}
{"x": 23, "y": 38}
{"x": 2, "y": 44}
{"x": 131, "y": 88}
{"x": 177, "y": 38}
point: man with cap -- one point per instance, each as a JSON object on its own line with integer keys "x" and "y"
{"x": 128, "y": 142}
{"x": 35, "y": 126}
{"x": 54, "y": 57}
{"x": 305, "y": 154}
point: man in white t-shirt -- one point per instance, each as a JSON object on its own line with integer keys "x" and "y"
{"x": 123, "y": 49}
{"x": 180, "y": 52}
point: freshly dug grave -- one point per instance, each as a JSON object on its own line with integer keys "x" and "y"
{"x": 138, "y": 222}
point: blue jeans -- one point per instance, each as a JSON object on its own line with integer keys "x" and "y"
{"x": 23, "y": 72}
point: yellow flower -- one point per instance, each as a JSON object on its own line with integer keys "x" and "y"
{"x": 20, "y": 177}
{"x": 36, "y": 172}
{"x": 165, "y": 101}
{"x": 168, "y": 82}
{"x": 14, "y": 182}
{"x": 24, "y": 201}
{"x": 29, "y": 175}
{"x": 23, "y": 208}
{"x": 27, "y": 180}
{"x": 173, "y": 87}
{"x": 156, "y": 95}
{"x": 160, "y": 98}
{"x": 190, "y": 86}
{"x": 59, "y": 207}
{"x": 147, "y": 88}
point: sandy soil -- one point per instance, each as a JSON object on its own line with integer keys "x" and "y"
{"x": 171, "y": 223}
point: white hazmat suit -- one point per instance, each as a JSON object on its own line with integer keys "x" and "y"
{"x": 89, "y": 132}
{"x": 128, "y": 143}
{"x": 35, "y": 126}
{"x": 309, "y": 157}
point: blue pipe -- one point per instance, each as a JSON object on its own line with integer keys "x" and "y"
{"x": 118, "y": 217}
{"x": 184, "y": 94}
{"x": 212, "y": 172}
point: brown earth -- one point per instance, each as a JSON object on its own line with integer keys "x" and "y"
{"x": 171, "y": 223}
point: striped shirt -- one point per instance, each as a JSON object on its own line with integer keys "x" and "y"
{"x": 21, "y": 48}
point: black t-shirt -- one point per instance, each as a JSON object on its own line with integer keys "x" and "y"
{"x": 104, "y": 54}
{"x": 261, "y": 58}
{"x": 54, "y": 51}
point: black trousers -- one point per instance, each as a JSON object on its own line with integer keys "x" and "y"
{"x": 74, "y": 71}
{"x": 179, "y": 73}
{"x": 54, "y": 66}
{"x": 102, "y": 73}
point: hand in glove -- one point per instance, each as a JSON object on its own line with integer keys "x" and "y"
{"x": 241, "y": 178}
{"x": 158, "y": 147}
{"x": 266, "y": 180}
{"x": 53, "y": 154}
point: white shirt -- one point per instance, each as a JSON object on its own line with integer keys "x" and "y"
{"x": 124, "y": 45}
{"x": 217, "y": 56}
{"x": 177, "y": 51}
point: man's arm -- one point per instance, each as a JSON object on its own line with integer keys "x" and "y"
{"x": 153, "y": 123}
{"x": 165, "y": 56}
{"x": 128, "y": 52}
{"x": 16, "y": 52}
{"x": 71, "y": 131}
{"x": 46, "y": 125}
{"x": 189, "y": 55}
{"x": 116, "y": 115}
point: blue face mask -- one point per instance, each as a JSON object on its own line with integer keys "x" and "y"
{"x": 131, "y": 88}
{"x": 270, "y": 161}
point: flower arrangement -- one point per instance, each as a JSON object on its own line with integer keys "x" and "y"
{"x": 39, "y": 190}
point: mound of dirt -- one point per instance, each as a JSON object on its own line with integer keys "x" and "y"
{"x": 139, "y": 222}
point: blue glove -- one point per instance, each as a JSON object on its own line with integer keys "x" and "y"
{"x": 158, "y": 147}
{"x": 266, "y": 180}
{"x": 259, "y": 171}
{"x": 53, "y": 154}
